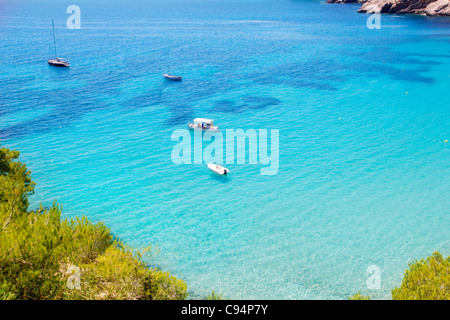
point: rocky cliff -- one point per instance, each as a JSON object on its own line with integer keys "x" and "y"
{"x": 426, "y": 7}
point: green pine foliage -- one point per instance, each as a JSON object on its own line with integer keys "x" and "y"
{"x": 426, "y": 280}
{"x": 38, "y": 248}
{"x": 359, "y": 296}
{"x": 214, "y": 296}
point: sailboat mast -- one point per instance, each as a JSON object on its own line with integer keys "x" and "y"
{"x": 54, "y": 41}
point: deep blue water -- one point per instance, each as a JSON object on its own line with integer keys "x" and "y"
{"x": 362, "y": 115}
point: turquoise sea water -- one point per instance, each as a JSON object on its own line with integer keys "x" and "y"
{"x": 362, "y": 114}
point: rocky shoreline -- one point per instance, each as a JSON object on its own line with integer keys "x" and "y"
{"x": 424, "y": 7}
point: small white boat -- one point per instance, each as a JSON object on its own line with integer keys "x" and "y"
{"x": 218, "y": 169}
{"x": 172, "y": 78}
{"x": 203, "y": 124}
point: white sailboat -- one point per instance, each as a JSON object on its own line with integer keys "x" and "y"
{"x": 57, "y": 62}
{"x": 170, "y": 77}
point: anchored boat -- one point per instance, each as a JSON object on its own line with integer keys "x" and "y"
{"x": 218, "y": 169}
{"x": 170, "y": 77}
{"x": 203, "y": 124}
{"x": 57, "y": 62}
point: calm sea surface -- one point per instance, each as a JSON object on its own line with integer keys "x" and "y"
{"x": 363, "y": 115}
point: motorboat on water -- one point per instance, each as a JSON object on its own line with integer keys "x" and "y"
{"x": 218, "y": 169}
{"x": 172, "y": 78}
{"x": 203, "y": 124}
